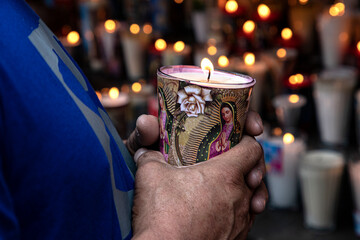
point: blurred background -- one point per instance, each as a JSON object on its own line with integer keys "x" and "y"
{"x": 304, "y": 55}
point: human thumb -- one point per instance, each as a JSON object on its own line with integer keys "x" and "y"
{"x": 145, "y": 134}
{"x": 143, "y": 156}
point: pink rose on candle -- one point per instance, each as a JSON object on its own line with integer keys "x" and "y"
{"x": 192, "y": 99}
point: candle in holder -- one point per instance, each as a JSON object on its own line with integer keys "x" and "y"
{"x": 320, "y": 177}
{"x": 115, "y": 104}
{"x": 282, "y": 157}
{"x": 257, "y": 69}
{"x": 288, "y": 109}
{"x": 334, "y": 28}
{"x": 202, "y": 111}
{"x": 176, "y": 54}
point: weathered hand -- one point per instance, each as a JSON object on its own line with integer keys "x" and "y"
{"x": 209, "y": 200}
{"x": 147, "y": 134}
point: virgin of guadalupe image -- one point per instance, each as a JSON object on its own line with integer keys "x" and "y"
{"x": 166, "y": 122}
{"x": 222, "y": 136}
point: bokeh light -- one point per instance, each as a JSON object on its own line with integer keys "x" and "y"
{"x": 263, "y": 11}
{"x": 179, "y": 46}
{"x": 160, "y": 44}
{"x": 110, "y": 26}
{"x": 134, "y": 28}
{"x": 73, "y": 37}
{"x": 249, "y": 26}
{"x": 223, "y": 61}
{"x": 136, "y": 87}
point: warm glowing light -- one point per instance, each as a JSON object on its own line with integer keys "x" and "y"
{"x": 178, "y": 1}
{"x": 281, "y": 53}
{"x": 341, "y": 7}
{"x": 136, "y": 87}
{"x": 358, "y": 46}
{"x": 249, "y": 59}
{"x": 98, "y": 94}
{"x": 299, "y": 78}
{"x": 296, "y": 79}
{"x": 212, "y": 50}
{"x": 303, "y": 2}
{"x": 286, "y": 33}
{"x": 334, "y": 11}
{"x": 292, "y": 80}
{"x": 337, "y": 9}
{"x": 179, "y": 46}
{"x": 206, "y": 64}
{"x": 114, "y": 93}
{"x": 134, "y": 28}
{"x": 231, "y": 6}
{"x": 293, "y": 98}
{"x": 110, "y": 26}
{"x": 223, "y": 61}
{"x": 147, "y": 28}
{"x": 263, "y": 11}
{"x": 73, "y": 37}
{"x": 288, "y": 138}
{"x": 160, "y": 44}
{"x": 249, "y": 26}
{"x": 277, "y": 131}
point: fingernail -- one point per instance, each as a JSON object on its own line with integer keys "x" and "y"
{"x": 138, "y": 153}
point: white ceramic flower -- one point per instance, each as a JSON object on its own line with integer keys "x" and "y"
{"x": 192, "y": 100}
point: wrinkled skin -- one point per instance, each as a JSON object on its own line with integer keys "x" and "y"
{"x": 216, "y": 199}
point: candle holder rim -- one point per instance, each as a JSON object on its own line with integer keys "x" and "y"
{"x": 251, "y": 82}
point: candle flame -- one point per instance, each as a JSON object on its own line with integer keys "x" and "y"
{"x": 206, "y": 64}
{"x": 110, "y": 26}
{"x": 114, "y": 93}
{"x": 136, "y": 87}
{"x": 337, "y": 9}
{"x": 286, "y": 33}
{"x": 134, "y": 28}
{"x": 249, "y": 59}
{"x": 178, "y": 1}
{"x": 281, "y": 53}
{"x": 293, "y": 98}
{"x": 212, "y": 50}
{"x": 303, "y": 2}
{"x": 160, "y": 44}
{"x": 223, "y": 61}
{"x": 296, "y": 79}
{"x": 73, "y": 37}
{"x": 288, "y": 138}
{"x": 249, "y": 26}
{"x": 231, "y": 6}
{"x": 179, "y": 46}
{"x": 263, "y": 11}
{"x": 358, "y": 46}
{"x": 147, "y": 28}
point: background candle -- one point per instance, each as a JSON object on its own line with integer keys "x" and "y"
{"x": 282, "y": 156}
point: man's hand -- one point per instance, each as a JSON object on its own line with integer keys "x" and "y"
{"x": 209, "y": 200}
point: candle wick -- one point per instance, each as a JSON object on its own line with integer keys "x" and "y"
{"x": 208, "y": 78}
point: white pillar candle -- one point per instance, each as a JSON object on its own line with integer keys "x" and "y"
{"x": 320, "y": 174}
{"x": 333, "y": 94}
{"x": 282, "y": 157}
